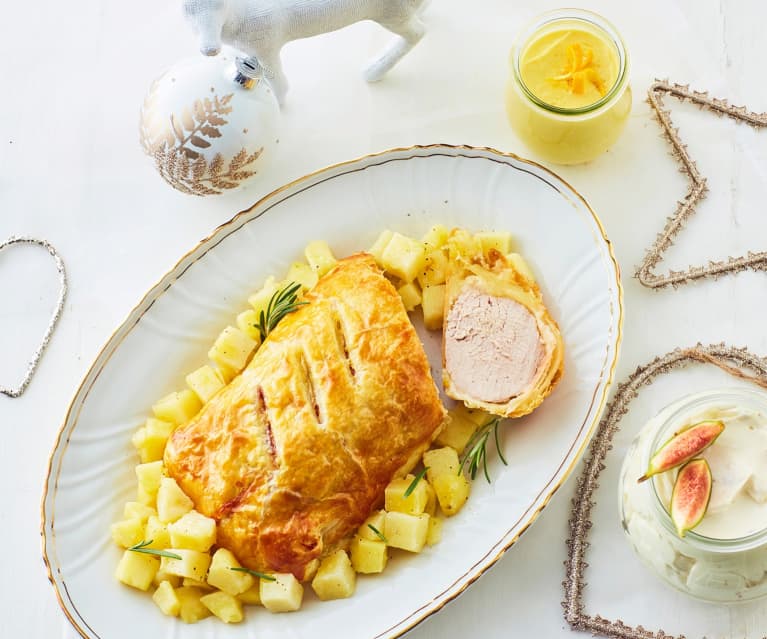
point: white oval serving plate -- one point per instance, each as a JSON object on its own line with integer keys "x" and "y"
{"x": 168, "y": 334}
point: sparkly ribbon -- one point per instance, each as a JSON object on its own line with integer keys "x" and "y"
{"x": 32, "y": 366}
{"x": 695, "y": 193}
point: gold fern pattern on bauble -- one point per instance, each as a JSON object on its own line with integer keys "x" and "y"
{"x": 176, "y": 143}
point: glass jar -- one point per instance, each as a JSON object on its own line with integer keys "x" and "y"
{"x": 561, "y": 134}
{"x": 719, "y": 570}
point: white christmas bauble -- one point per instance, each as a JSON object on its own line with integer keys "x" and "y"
{"x": 207, "y": 126}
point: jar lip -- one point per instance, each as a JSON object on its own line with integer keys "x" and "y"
{"x": 682, "y": 405}
{"x": 593, "y": 20}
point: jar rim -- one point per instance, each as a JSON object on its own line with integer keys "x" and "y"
{"x": 594, "y": 20}
{"x": 670, "y": 412}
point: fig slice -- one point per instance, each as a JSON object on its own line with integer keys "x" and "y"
{"x": 691, "y": 494}
{"x": 683, "y": 446}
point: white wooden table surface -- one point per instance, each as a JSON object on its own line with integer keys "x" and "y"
{"x": 73, "y": 77}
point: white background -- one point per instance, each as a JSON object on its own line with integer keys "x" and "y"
{"x": 73, "y": 75}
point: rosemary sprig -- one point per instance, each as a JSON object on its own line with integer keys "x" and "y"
{"x": 142, "y": 547}
{"x": 378, "y": 533}
{"x": 415, "y": 481}
{"x": 254, "y": 573}
{"x": 282, "y": 302}
{"x": 476, "y": 454}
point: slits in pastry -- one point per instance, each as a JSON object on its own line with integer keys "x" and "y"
{"x": 502, "y": 351}
{"x": 294, "y": 454}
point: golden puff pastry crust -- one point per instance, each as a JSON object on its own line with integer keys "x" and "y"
{"x": 293, "y": 455}
{"x": 502, "y": 351}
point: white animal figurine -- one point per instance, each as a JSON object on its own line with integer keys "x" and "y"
{"x": 260, "y": 28}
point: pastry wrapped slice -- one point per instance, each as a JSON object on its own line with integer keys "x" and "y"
{"x": 294, "y": 454}
{"x": 502, "y": 351}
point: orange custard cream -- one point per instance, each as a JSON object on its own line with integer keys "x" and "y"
{"x": 568, "y": 97}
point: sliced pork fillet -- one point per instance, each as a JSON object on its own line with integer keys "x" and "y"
{"x": 492, "y": 346}
{"x": 502, "y": 351}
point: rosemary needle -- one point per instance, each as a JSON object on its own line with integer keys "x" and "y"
{"x": 415, "y": 481}
{"x": 476, "y": 454}
{"x": 378, "y": 533}
{"x": 283, "y": 302}
{"x": 142, "y": 548}
{"x": 498, "y": 444}
{"x": 254, "y": 573}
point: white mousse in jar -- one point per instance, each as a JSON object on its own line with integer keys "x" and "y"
{"x": 738, "y": 463}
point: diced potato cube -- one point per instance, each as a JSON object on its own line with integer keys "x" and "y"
{"x": 151, "y": 438}
{"x": 284, "y": 594}
{"x": 196, "y": 583}
{"x": 261, "y": 298}
{"x": 252, "y": 596}
{"x": 302, "y": 273}
{"x": 431, "y": 500}
{"x": 137, "y": 569}
{"x": 433, "y": 304}
{"x": 452, "y": 492}
{"x": 247, "y": 322}
{"x": 149, "y": 476}
{"x": 192, "y": 609}
{"x": 380, "y": 245}
{"x": 368, "y": 556}
{"x": 193, "y": 564}
{"x": 462, "y": 242}
{"x": 406, "y": 531}
{"x": 498, "y": 240}
{"x": 206, "y": 381}
{"x": 224, "y": 606}
{"x": 128, "y": 532}
{"x": 178, "y": 407}
{"x": 404, "y": 257}
{"x": 410, "y": 294}
{"x": 157, "y": 433}
{"x": 138, "y": 439}
{"x": 311, "y": 569}
{"x": 476, "y": 415}
{"x": 434, "y": 535}
{"x": 436, "y": 236}
{"x": 435, "y": 269}
{"x": 193, "y": 531}
{"x": 157, "y": 532}
{"x": 232, "y": 348}
{"x": 413, "y": 504}
{"x": 166, "y": 599}
{"x": 227, "y": 374}
{"x": 335, "y": 578}
{"x": 520, "y": 265}
{"x": 376, "y": 520}
{"x": 319, "y": 256}
{"x": 221, "y": 575}
{"x": 137, "y": 510}
{"x": 441, "y": 461}
{"x": 148, "y": 499}
{"x": 457, "y": 433}
{"x": 160, "y": 576}
{"x": 172, "y": 502}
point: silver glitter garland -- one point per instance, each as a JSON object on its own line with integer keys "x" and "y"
{"x": 32, "y": 366}
{"x": 696, "y": 191}
{"x": 729, "y": 359}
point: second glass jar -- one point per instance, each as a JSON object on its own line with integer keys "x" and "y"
{"x": 718, "y": 570}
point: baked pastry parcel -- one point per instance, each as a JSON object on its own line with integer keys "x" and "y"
{"x": 293, "y": 455}
{"x": 502, "y": 351}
